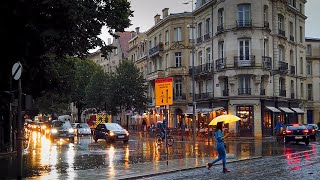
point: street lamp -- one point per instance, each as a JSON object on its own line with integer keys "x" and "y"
{"x": 193, "y": 71}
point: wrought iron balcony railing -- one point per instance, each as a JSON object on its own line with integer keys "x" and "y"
{"x": 266, "y": 62}
{"x": 244, "y": 23}
{"x": 244, "y": 91}
{"x": 262, "y": 92}
{"x": 281, "y": 32}
{"x": 283, "y": 93}
{"x": 244, "y": 61}
{"x": 291, "y": 38}
{"x": 220, "y": 64}
{"x": 156, "y": 49}
{"x": 204, "y": 96}
{"x": 207, "y": 36}
{"x": 220, "y": 28}
{"x": 283, "y": 66}
{"x": 199, "y": 39}
{"x": 225, "y": 92}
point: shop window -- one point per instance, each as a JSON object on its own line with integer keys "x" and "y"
{"x": 246, "y": 121}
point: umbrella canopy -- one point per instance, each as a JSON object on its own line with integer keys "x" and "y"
{"x": 225, "y": 119}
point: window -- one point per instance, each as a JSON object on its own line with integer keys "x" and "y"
{"x": 177, "y": 34}
{"x": 167, "y": 61}
{"x": 200, "y": 58}
{"x": 221, "y": 49}
{"x": 301, "y": 65}
{"x": 167, "y": 37}
{"x": 150, "y": 44}
{"x": 160, "y": 37}
{"x": 244, "y": 17}
{"x": 292, "y": 3}
{"x": 115, "y": 51}
{"x": 301, "y": 8}
{"x": 208, "y": 55}
{"x": 178, "y": 88}
{"x": 280, "y": 22}
{"x": 309, "y": 50}
{"x": 282, "y": 84}
{"x": 244, "y": 49}
{"x": 150, "y": 68}
{"x": 208, "y": 26}
{"x": 292, "y": 89}
{"x": 220, "y": 17}
{"x": 281, "y": 53}
{"x": 309, "y": 68}
{"x": 178, "y": 59}
{"x": 291, "y": 58}
{"x": 190, "y": 33}
{"x": 301, "y": 34}
{"x": 155, "y": 42}
{"x": 199, "y": 30}
{"x": 265, "y": 14}
{"x": 291, "y": 28}
{"x": 200, "y": 87}
{"x": 301, "y": 90}
{"x": 310, "y": 96}
{"x": 244, "y": 85}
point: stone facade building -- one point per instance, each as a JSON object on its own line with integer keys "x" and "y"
{"x": 313, "y": 80}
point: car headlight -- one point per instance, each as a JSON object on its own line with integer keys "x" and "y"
{"x": 127, "y": 133}
{"x": 111, "y": 133}
{"x": 43, "y": 127}
{"x": 71, "y": 130}
{"x": 54, "y": 131}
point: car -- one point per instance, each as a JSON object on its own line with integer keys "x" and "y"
{"x": 81, "y": 129}
{"x": 296, "y": 132}
{"x": 313, "y": 128}
{"x": 34, "y": 126}
{"x": 110, "y": 132}
{"x": 62, "y": 129}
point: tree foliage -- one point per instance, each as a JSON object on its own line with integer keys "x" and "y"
{"x": 33, "y": 30}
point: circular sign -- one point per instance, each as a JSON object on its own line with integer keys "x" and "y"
{"x": 16, "y": 71}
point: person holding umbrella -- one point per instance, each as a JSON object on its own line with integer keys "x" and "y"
{"x": 220, "y": 145}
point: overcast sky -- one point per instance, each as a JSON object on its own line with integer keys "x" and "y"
{"x": 145, "y": 10}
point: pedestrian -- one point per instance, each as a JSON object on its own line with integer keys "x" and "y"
{"x": 278, "y": 128}
{"x": 220, "y": 146}
{"x": 144, "y": 124}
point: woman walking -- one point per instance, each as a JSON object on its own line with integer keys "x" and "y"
{"x": 220, "y": 148}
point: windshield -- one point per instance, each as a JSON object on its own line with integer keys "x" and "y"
{"x": 114, "y": 127}
{"x": 58, "y": 124}
{"x": 84, "y": 125}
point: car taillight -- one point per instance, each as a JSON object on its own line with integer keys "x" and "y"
{"x": 305, "y": 131}
{"x": 313, "y": 130}
{"x": 287, "y": 132}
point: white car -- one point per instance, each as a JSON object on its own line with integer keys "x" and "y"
{"x": 82, "y": 129}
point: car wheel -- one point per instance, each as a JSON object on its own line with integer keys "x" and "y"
{"x": 125, "y": 141}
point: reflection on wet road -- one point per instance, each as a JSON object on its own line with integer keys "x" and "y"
{"x": 46, "y": 158}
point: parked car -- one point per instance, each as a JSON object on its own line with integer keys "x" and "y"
{"x": 296, "y": 132}
{"x": 313, "y": 128}
{"x": 34, "y": 126}
{"x": 110, "y": 132}
{"x": 82, "y": 129}
{"x": 62, "y": 129}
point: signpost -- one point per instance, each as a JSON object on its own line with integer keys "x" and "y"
{"x": 16, "y": 74}
{"x": 164, "y": 97}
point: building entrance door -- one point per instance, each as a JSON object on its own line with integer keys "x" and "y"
{"x": 245, "y": 125}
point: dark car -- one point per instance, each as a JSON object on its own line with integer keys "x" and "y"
{"x": 297, "y": 133}
{"x": 110, "y": 132}
{"x": 313, "y": 128}
{"x": 62, "y": 129}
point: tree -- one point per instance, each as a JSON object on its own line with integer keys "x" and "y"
{"x": 129, "y": 87}
{"x": 35, "y": 29}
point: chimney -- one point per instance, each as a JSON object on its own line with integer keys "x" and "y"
{"x": 165, "y": 12}
{"x": 137, "y": 30}
{"x": 156, "y": 18}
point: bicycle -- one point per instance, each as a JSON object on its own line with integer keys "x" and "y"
{"x": 170, "y": 139}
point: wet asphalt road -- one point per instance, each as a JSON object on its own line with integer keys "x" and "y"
{"x": 43, "y": 157}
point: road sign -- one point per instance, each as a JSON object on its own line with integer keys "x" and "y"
{"x": 16, "y": 71}
{"x": 164, "y": 94}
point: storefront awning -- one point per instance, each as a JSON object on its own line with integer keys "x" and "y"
{"x": 286, "y": 110}
{"x": 217, "y": 108}
{"x": 298, "y": 110}
{"x": 204, "y": 110}
{"x": 273, "y": 109}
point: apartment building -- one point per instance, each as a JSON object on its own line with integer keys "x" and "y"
{"x": 118, "y": 54}
{"x": 313, "y": 80}
{"x": 250, "y": 61}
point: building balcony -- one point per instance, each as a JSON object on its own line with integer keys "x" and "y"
{"x": 179, "y": 97}
{"x": 283, "y": 93}
{"x": 154, "y": 75}
{"x": 201, "y": 69}
{"x": 207, "y": 36}
{"x": 220, "y": 28}
{"x": 156, "y": 50}
{"x": 199, "y": 40}
{"x": 282, "y": 32}
{"x": 204, "y": 96}
{"x": 244, "y": 91}
{"x": 291, "y": 38}
{"x": 292, "y": 70}
{"x": 221, "y": 64}
{"x": 283, "y": 66}
{"x": 292, "y": 96}
{"x": 244, "y": 61}
{"x": 266, "y": 24}
{"x": 244, "y": 23}
{"x": 262, "y": 92}
{"x": 266, "y": 63}
{"x": 225, "y": 92}
{"x": 177, "y": 71}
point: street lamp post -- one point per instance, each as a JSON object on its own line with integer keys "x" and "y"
{"x": 193, "y": 72}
